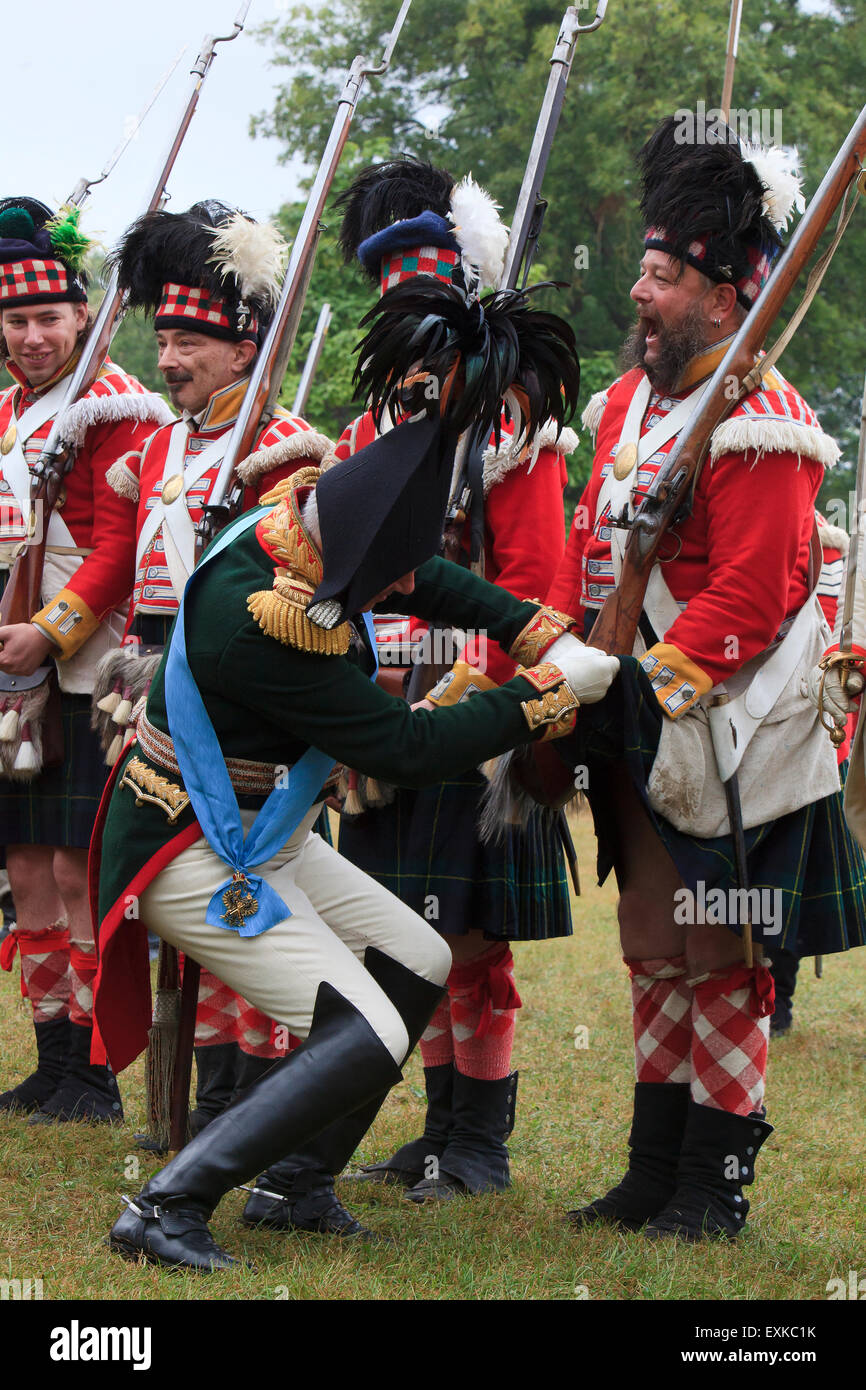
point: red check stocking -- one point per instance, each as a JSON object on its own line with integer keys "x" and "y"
{"x": 82, "y": 973}
{"x": 44, "y": 969}
{"x": 731, "y": 1026}
{"x": 484, "y": 1000}
{"x": 437, "y": 1044}
{"x": 217, "y": 1014}
{"x": 661, "y": 1003}
{"x": 260, "y": 1036}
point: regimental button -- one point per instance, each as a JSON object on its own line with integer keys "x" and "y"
{"x": 626, "y": 458}
{"x": 172, "y": 488}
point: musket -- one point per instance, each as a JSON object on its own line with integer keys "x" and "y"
{"x": 852, "y": 676}
{"x": 299, "y": 404}
{"x": 731, "y": 56}
{"x": 740, "y": 372}
{"x": 81, "y": 191}
{"x": 22, "y": 593}
{"x": 525, "y": 227}
{"x": 270, "y": 364}
{"x": 529, "y": 213}
{"x": 465, "y": 497}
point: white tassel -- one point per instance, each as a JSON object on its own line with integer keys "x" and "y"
{"x": 777, "y": 169}
{"x": 373, "y": 793}
{"x": 254, "y": 253}
{"x": 124, "y": 709}
{"x": 108, "y": 704}
{"x": 115, "y": 748}
{"x": 481, "y": 235}
{"x": 10, "y": 722}
{"x": 26, "y": 759}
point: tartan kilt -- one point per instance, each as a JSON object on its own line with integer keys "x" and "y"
{"x": 425, "y": 848}
{"x": 808, "y": 857}
{"x": 59, "y": 807}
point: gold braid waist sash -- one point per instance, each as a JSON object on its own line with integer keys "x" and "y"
{"x": 246, "y": 776}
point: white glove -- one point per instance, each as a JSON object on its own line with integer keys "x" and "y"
{"x": 838, "y": 704}
{"x": 588, "y": 670}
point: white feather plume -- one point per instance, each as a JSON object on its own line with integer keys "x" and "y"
{"x": 777, "y": 169}
{"x": 254, "y": 253}
{"x": 480, "y": 234}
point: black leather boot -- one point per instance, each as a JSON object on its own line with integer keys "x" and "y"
{"x": 216, "y": 1079}
{"x": 298, "y": 1192}
{"x": 342, "y": 1065}
{"x": 86, "y": 1092}
{"x": 717, "y": 1161}
{"x": 660, "y": 1112}
{"x": 411, "y": 1163}
{"x": 784, "y": 965}
{"x": 52, "y": 1044}
{"x": 250, "y": 1069}
{"x": 475, "y": 1159}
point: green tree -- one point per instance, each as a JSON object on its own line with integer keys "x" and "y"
{"x": 465, "y": 88}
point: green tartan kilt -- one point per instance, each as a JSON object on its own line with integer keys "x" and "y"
{"x": 808, "y": 857}
{"x": 60, "y": 805}
{"x": 425, "y": 848}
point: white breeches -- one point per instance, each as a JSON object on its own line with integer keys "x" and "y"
{"x": 337, "y": 912}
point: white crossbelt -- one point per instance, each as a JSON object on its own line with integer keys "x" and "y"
{"x": 756, "y": 687}
{"x": 178, "y": 532}
{"x": 15, "y": 467}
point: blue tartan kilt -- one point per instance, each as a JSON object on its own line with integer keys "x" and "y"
{"x": 808, "y": 858}
{"x": 60, "y": 805}
{"x": 425, "y": 848}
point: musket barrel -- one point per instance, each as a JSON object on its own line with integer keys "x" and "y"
{"x": 265, "y": 380}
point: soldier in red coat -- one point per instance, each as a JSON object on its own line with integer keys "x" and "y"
{"x": 734, "y": 610}
{"x": 47, "y": 814}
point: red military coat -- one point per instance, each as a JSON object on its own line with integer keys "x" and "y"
{"x": 739, "y": 564}
{"x": 90, "y": 536}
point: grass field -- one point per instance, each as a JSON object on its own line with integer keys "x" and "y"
{"x": 60, "y": 1186}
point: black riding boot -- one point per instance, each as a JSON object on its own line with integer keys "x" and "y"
{"x": 660, "y": 1112}
{"x": 86, "y": 1091}
{"x": 475, "y": 1158}
{"x": 216, "y": 1079}
{"x": 52, "y": 1044}
{"x": 717, "y": 1161}
{"x": 298, "y": 1192}
{"x": 412, "y": 1161}
{"x": 342, "y": 1065}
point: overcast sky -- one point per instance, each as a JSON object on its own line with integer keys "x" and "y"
{"x": 74, "y": 74}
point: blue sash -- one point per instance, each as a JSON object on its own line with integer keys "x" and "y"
{"x": 245, "y": 903}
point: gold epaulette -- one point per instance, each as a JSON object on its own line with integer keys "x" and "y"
{"x": 281, "y": 612}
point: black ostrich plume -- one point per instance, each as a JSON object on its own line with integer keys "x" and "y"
{"x": 462, "y": 356}
{"x": 696, "y": 190}
{"x": 169, "y": 246}
{"x": 390, "y": 192}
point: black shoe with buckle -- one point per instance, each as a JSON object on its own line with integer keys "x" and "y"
{"x": 319, "y": 1210}
{"x": 170, "y": 1234}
